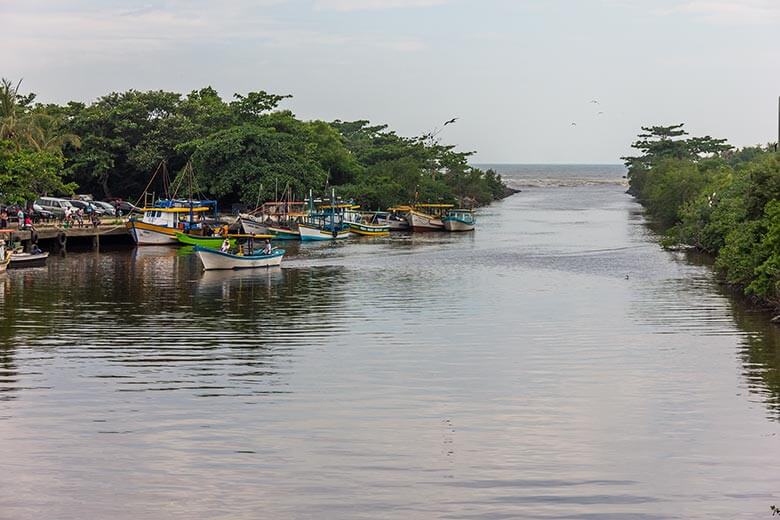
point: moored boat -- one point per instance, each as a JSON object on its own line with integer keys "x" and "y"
{"x": 5, "y": 256}
{"x": 427, "y": 217}
{"x": 213, "y": 242}
{"x": 278, "y": 218}
{"x": 213, "y": 259}
{"x": 160, "y": 223}
{"x": 322, "y": 230}
{"x": 327, "y": 222}
{"x": 459, "y": 220}
{"x": 366, "y": 223}
{"x": 395, "y": 217}
{"x": 20, "y": 260}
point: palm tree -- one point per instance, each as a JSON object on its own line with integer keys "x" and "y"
{"x": 43, "y": 133}
{"x": 34, "y": 129}
{"x": 9, "y": 106}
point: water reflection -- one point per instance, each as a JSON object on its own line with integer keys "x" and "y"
{"x": 555, "y": 364}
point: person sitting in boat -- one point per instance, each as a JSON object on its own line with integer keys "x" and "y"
{"x": 35, "y": 249}
{"x": 225, "y": 245}
{"x": 267, "y": 249}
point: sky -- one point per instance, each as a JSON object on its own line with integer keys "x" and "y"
{"x": 517, "y": 73}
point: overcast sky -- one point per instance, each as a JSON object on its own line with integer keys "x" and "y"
{"x": 516, "y": 72}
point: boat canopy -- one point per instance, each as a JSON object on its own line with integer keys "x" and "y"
{"x": 196, "y": 209}
{"x": 434, "y": 205}
{"x": 400, "y": 208}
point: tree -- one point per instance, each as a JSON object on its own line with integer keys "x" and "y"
{"x": 26, "y": 174}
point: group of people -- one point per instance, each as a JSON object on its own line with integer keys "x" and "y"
{"x": 267, "y": 248}
{"x": 24, "y": 219}
{"x": 75, "y": 217}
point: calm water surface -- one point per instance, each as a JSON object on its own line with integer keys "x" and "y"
{"x": 554, "y": 364}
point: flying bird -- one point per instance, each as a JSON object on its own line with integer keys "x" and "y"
{"x": 574, "y": 124}
{"x": 594, "y": 101}
{"x": 601, "y": 113}
{"x": 451, "y": 121}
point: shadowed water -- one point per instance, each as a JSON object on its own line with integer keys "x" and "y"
{"x": 554, "y": 364}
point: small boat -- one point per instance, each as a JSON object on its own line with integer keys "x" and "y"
{"x": 459, "y": 220}
{"x": 20, "y": 260}
{"x": 427, "y": 217}
{"x": 215, "y": 241}
{"x": 326, "y": 222}
{"x": 395, "y": 217}
{"x": 322, "y": 230}
{"x": 160, "y": 223}
{"x": 214, "y": 259}
{"x": 278, "y": 230}
{"x": 366, "y": 223}
{"x": 278, "y": 218}
{"x": 5, "y": 258}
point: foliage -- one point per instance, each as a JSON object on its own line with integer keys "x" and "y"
{"x": 26, "y": 174}
{"x": 243, "y": 150}
{"x": 717, "y": 199}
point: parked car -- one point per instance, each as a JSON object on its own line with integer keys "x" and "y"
{"x": 55, "y": 205}
{"x": 87, "y": 207}
{"x": 38, "y": 213}
{"x": 125, "y": 207}
{"x": 106, "y": 207}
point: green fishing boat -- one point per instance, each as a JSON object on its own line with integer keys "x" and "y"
{"x": 213, "y": 242}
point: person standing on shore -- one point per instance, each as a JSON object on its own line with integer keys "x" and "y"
{"x": 20, "y": 218}
{"x": 3, "y": 219}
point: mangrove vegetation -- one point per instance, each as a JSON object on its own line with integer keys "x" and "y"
{"x": 709, "y": 195}
{"x": 244, "y": 150}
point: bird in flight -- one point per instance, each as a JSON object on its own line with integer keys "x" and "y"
{"x": 601, "y": 113}
{"x": 451, "y": 121}
{"x": 574, "y": 124}
{"x": 594, "y": 101}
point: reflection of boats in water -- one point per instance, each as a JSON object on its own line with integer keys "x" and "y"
{"x": 5, "y": 255}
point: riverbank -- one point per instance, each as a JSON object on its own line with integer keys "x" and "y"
{"x": 716, "y": 199}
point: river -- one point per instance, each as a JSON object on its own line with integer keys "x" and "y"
{"x": 556, "y": 363}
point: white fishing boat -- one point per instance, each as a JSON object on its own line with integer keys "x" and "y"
{"x": 159, "y": 224}
{"x": 213, "y": 259}
{"x": 427, "y": 217}
{"x": 459, "y": 220}
{"x": 326, "y": 222}
{"x": 323, "y": 231}
{"x": 5, "y": 256}
{"x": 20, "y": 260}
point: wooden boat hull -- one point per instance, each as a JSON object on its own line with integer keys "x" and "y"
{"x": 251, "y": 227}
{"x": 453, "y": 224}
{"x": 213, "y": 259}
{"x": 284, "y": 234}
{"x": 21, "y": 260}
{"x": 309, "y": 232}
{"x": 151, "y": 234}
{"x": 255, "y": 228}
{"x": 422, "y": 222}
{"x": 5, "y": 261}
{"x": 214, "y": 242}
{"x": 369, "y": 230}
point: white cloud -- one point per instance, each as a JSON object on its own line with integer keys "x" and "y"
{"x": 730, "y": 11}
{"x": 373, "y": 5}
